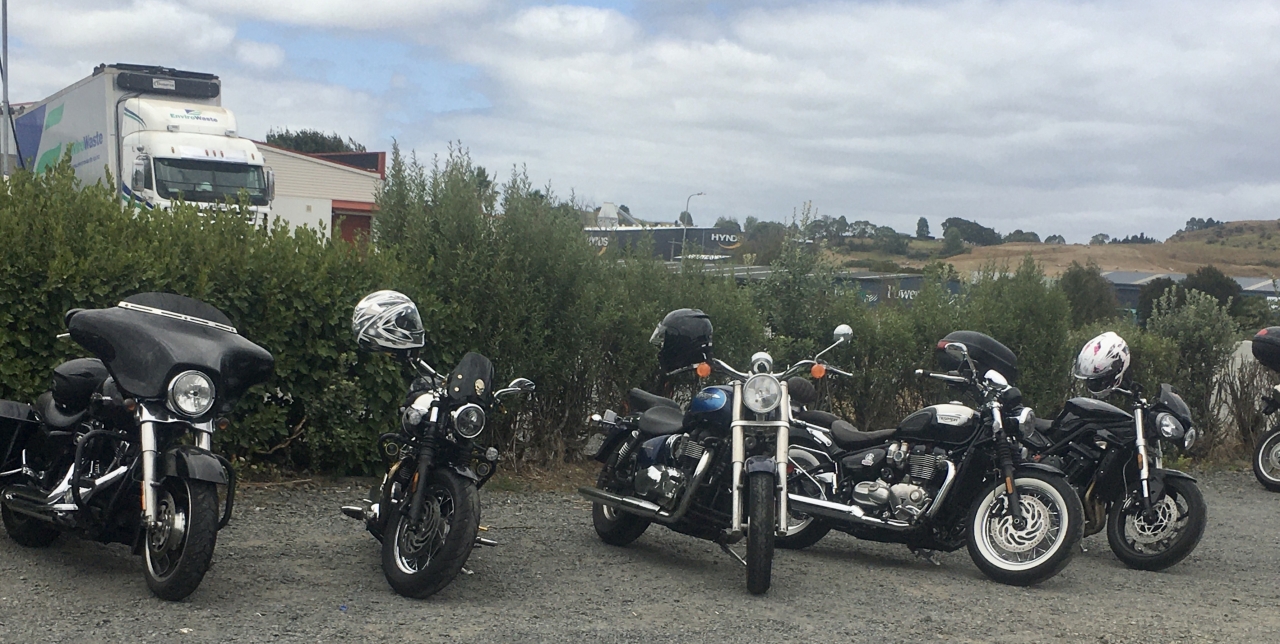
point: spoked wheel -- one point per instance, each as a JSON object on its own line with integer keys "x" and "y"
{"x": 803, "y": 530}
{"x": 420, "y": 559}
{"x": 761, "y": 526}
{"x": 1162, "y": 537}
{"x": 28, "y": 531}
{"x": 1266, "y": 460}
{"x": 1034, "y": 549}
{"x": 180, "y": 545}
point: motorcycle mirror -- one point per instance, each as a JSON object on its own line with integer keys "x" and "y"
{"x": 957, "y": 350}
{"x": 994, "y": 377}
{"x": 843, "y": 333}
{"x": 523, "y": 384}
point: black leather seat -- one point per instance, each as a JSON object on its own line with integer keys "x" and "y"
{"x": 642, "y": 400}
{"x": 53, "y": 416}
{"x": 820, "y": 418}
{"x": 849, "y": 437}
{"x": 660, "y": 421}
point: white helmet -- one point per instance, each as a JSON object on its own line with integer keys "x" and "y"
{"x": 387, "y": 321}
{"x": 1102, "y": 363}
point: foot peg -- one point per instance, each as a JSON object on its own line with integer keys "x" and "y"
{"x": 481, "y": 541}
{"x": 354, "y": 511}
{"x": 932, "y": 556}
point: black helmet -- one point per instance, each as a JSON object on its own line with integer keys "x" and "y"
{"x": 684, "y": 339}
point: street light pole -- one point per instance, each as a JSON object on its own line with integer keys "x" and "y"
{"x": 685, "y": 236}
{"x": 4, "y": 78}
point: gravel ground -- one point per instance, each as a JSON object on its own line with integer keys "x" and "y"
{"x": 291, "y": 568}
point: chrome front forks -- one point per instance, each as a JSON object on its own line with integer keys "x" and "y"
{"x": 739, "y": 458}
{"x": 150, "y": 478}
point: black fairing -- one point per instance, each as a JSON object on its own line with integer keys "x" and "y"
{"x": 472, "y": 380}
{"x": 942, "y": 424}
{"x": 1175, "y": 404}
{"x": 143, "y": 351}
{"x": 1096, "y": 410}
{"x": 985, "y": 351}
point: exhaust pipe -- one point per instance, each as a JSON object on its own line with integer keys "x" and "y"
{"x": 842, "y": 512}
{"x": 28, "y": 502}
{"x": 648, "y": 510}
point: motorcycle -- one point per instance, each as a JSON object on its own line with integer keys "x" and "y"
{"x": 104, "y": 454}
{"x": 426, "y": 510}
{"x": 949, "y": 476}
{"x": 1266, "y": 456}
{"x": 713, "y": 473}
{"x": 1154, "y": 517}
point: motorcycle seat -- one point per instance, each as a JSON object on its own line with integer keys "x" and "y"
{"x": 55, "y": 417}
{"x": 660, "y": 421}
{"x": 822, "y": 419}
{"x": 642, "y": 400}
{"x": 849, "y": 437}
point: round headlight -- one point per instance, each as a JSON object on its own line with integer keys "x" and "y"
{"x": 468, "y": 420}
{"x": 761, "y": 393}
{"x": 1170, "y": 428}
{"x": 191, "y": 394}
{"x": 1190, "y": 438}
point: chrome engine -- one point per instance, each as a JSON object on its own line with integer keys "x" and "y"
{"x": 917, "y": 480}
{"x": 663, "y": 465}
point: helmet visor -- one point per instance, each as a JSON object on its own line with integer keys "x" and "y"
{"x": 659, "y": 333}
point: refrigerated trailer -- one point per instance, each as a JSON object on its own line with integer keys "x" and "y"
{"x": 159, "y": 134}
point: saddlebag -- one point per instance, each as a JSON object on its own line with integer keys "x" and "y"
{"x": 17, "y": 423}
{"x": 1266, "y": 347}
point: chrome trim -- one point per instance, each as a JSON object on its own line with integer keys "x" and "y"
{"x": 844, "y": 512}
{"x": 942, "y": 492}
{"x": 173, "y": 406}
{"x": 739, "y": 458}
{"x": 148, "y": 432}
{"x": 650, "y": 510}
{"x": 176, "y": 316}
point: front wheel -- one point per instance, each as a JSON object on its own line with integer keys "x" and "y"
{"x": 1162, "y": 537}
{"x": 761, "y": 526}
{"x": 1266, "y": 460}
{"x": 1038, "y": 547}
{"x": 180, "y": 545}
{"x": 420, "y": 559}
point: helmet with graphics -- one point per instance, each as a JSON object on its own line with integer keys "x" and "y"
{"x": 1102, "y": 363}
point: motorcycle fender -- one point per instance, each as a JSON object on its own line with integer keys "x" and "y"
{"x": 465, "y": 472}
{"x": 615, "y": 435}
{"x": 191, "y": 462}
{"x": 1156, "y": 481}
{"x": 1040, "y": 467}
{"x": 761, "y": 464}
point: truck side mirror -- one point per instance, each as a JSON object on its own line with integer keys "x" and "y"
{"x": 140, "y": 167}
{"x": 271, "y": 184}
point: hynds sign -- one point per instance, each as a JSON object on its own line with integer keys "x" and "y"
{"x": 727, "y": 241}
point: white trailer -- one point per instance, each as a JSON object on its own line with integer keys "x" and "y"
{"x": 159, "y": 134}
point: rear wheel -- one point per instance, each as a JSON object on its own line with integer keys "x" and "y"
{"x": 420, "y": 558}
{"x": 28, "y": 531}
{"x": 179, "y": 547}
{"x": 761, "y": 526}
{"x": 1162, "y": 537}
{"x": 615, "y": 527}
{"x": 1266, "y": 460}
{"x": 1021, "y": 553}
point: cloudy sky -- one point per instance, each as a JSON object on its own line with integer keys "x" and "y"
{"x": 1067, "y": 117}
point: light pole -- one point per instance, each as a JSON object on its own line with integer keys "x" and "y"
{"x": 685, "y": 236}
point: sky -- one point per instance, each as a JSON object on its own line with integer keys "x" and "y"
{"x": 1058, "y": 116}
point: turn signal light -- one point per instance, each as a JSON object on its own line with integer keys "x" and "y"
{"x": 222, "y": 423}
{"x": 818, "y": 371}
{"x": 703, "y": 370}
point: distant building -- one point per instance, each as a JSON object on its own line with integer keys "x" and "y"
{"x": 336, "y": 190}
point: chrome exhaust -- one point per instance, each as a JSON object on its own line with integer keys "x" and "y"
{"x": 646, "y": 509}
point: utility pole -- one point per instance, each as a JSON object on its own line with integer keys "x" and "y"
{"x": 4, "y": 79}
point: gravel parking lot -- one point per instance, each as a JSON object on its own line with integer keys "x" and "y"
{"x": 291, "y": 568}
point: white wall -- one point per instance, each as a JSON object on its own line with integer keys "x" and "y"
{"x": 304, "y": 211}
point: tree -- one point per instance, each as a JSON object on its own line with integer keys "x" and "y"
{"x": 952, "y": 242}
{"x": 888, "y": 240}
{"x": 1194, "y": 224}
{"x": 1020, "y": 236}
{"x": 1091, "y": 296}
{"x": 922, "y": 229}
{"x": 730, "y": 223}
{"x": 973, "y": 232}
{"x": 1152, "y": 291}
{"x": 1211, "y": 281}
{"x": 1055, "y": 239}
{"x": 312, "y": 141}
{"x": 686, "y": 219}
{"x": 1098, "y": 239}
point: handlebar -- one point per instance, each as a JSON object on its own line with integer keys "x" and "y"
{"x": 946, "y": 377}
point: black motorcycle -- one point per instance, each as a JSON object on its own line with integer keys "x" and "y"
{"x": 714, "y": 472}
{"x": 426, "y": 511}
{"x": 105, "y": 453}
{"x": 948, "y": 476}
{"x": 1154, "y": 517}
{"x": 1266, "y": 456}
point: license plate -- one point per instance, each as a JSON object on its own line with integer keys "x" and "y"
{"x": 593, "y": 445}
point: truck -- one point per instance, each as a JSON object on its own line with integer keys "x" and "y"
{"x": 159, "y": 134}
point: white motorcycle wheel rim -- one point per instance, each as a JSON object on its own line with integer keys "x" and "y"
{"x": 1009, "y": 548}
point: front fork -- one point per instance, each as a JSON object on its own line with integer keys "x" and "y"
{"x": 1144, "y": 465}
{"x": 739, "y": 457}
{"x": 1004, "y": 456}
{"x": 150, "y": 478}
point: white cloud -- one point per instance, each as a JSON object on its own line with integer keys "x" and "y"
{"x": 259, "y": 55}
{"x": 345, "y": 14}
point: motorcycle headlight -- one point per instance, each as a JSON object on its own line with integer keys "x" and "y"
{"x": 761, "y": 393}
{"x": 191, "y": 394}
{"x": 1026, "y": 421}
{"x": 1190, "y": 438}
{"x": 468, "y": 420}
{"x": 1169, "y": 427}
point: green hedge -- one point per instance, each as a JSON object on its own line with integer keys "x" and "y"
{"x": 498, "y": 268}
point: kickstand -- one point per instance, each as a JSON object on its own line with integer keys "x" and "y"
{"x": 725, "y": 547}
{"x": 932, "y": 556}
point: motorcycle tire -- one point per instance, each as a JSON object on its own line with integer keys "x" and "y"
{"x": 451, "y": 512}
{"x": 615, "y": 527}
{"x": 761, "y": 526}
{"x": 1043, "y": 546}
{"x": 1145, "y": 546}
{"x": 178, "y": 552}
{"x": 1266, "y": 460}
{"x": 802, "y": 530}
{"x": 26, "y": 531}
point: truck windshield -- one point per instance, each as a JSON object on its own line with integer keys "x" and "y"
{"x": 209, "y": 181}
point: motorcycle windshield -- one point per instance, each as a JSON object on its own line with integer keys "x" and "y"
{"x": 149, "y": 338}
{"x": 472, "y": 380}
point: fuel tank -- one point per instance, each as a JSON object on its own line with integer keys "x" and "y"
{"x": 946, "y": 424}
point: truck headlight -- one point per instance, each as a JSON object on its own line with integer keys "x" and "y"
{"x": 191, "y": 394}
{"x": 468, "y": 420}
{"x": 761, "y": 393}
